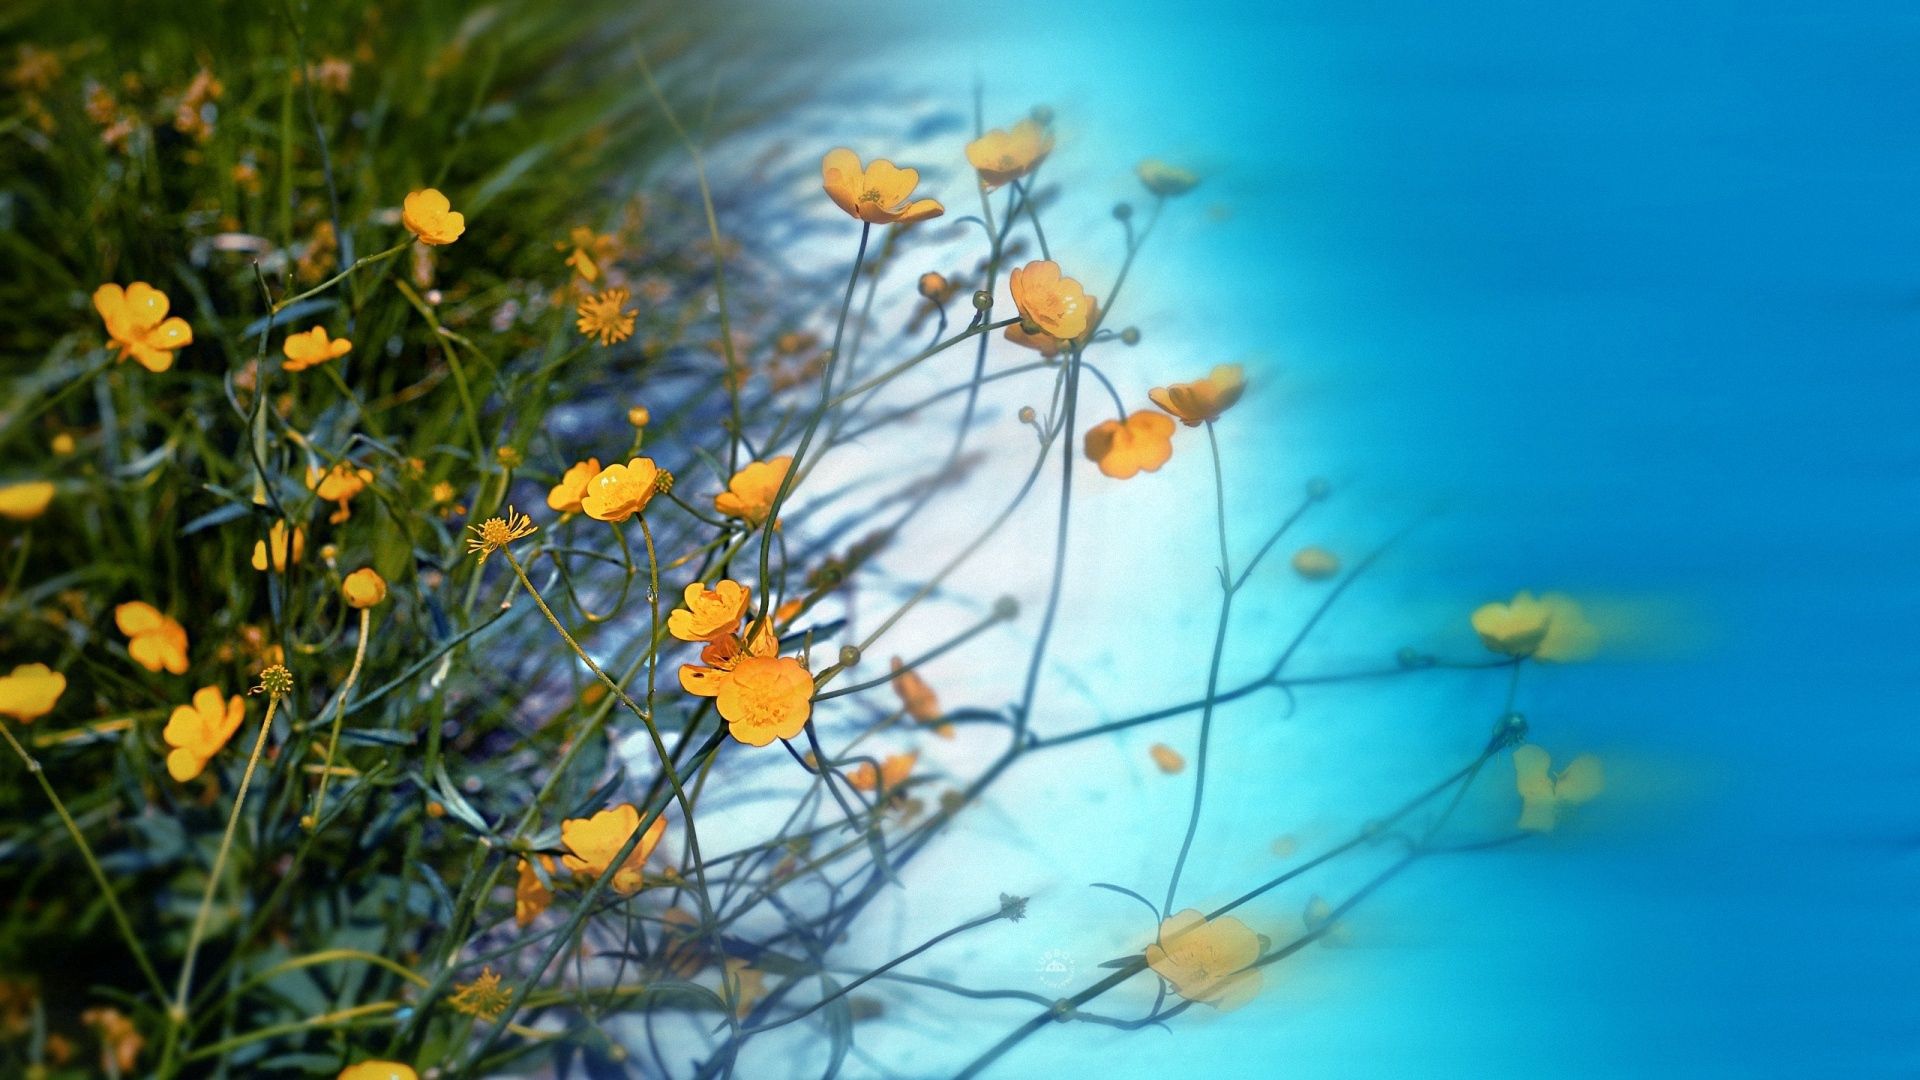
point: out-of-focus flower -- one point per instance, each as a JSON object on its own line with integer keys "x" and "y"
{"x": 916, "y": 697}
{"x": 312, "y": 347}
{"x": 30, "y": 692}
{"x": 332, "y": 74}
{"x": 618, "y": 491}
{"x": 1166, "y": 180}
{"x": 1123, "y": 449}
{"x": 194, "y": 114}
{"x": 594, "y": 842}
{"x": 1315, "y": 563}
{"x": 709, "y": 612}
{"x": 25, "y": 501}
{"x": 1167, "y": 758}
{"x": 1543, "y": 794}
{"x": 1048, "y": 303}
{"x": 1001, "y": 155}
{"x": 1551, "y": 627}
{"x": 431, "y": 218}
{"x": 605, "y": 315}
{"x": 339, "y": 484}
{"x": 136, "y": 320}
{"x": 750, "y": 494}
{"x": 531, "y": 896}
{"x": 638, "y": 416}
{"x": 565, "y": 496}
{"x": 281, "y": 548}
{"x": 1203, "y": 400}
{"x": 1569, "y": 635}
{"x": 483, "y": 998}
{"x": 363, "y": 588}
{"x": 34, "y": 69}
{"x": 590, "y": 251}
{"x": 155, "y": 641}
{"x": 878, "y": 194}
{"x": 199, "y": 730}
{"x": 120, "y": 1043}
{"x": 378, "y": 1070}
{"x": 1208, "y": 961}
{"x": 893, "y": 772}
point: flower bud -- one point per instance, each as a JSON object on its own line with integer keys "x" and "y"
{"x": 849, "y": 655}
{"x": 1131, "y": 335}
{"x": 982, "y": 300}
{"x": 1122, "y": 211}
{"x": 509, "y": 457}
{"x": 1027, "y": 415}
{"x": 638, "y": 416}
{"x": 363, "y": 588}
{"x": 933, "y": 286}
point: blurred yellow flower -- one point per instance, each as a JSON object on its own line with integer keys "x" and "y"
{"x": 484, "y": 997}
{"x": 154, "y": 640}
{"x": 605, "y": 315}
{"x": 1203, "y": 400}
{"x": 750, "y": 985}
{"x": 363, "y": 588}
{"x": 1048, "y": 303}
{"x": 338, "y": 485}
{"x": 935, "y": 287}
{"x": 1142, "y": 443}
{"x": 893, "y": 772}
{"x": 1001, "y": 155}
{"x": 766, "y": 698}
{"x": 749, "y": 495}
{"x": 1167, "y": 758}
{"x": 1165, "y": 180}
{"x": 916, "y": 697}
{"x": 1551, "y": 627}
{"x": 199, "y": 730}
{"x": 30, "y": 692}
{"x": 531, "y": 896}
{"x": 877, "y": 194}
{"x": 1315, "y": 563}
{"x": 430, "y": 217}
{"x": 137, "y": 321}
{"x": 312, "y": 347}
{"x": 286, "y": 548}
{"x": 378, "y": 1070}
{"x": 709, "y": 613}
{"x": 25, "y": 501}
{"x": 595, "y": 841}
{"x": 120, "y": 1042}
{"x": 565, "y": 496}
{"x": 618, "y": 491}
{"x": 1543, "y": 794}
{"x": 1207, "y": 961}
{"x": 1569, "y": 635}
{"x": 590, "y": 250}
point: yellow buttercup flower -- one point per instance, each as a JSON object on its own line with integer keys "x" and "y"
{"x": 1315, "y": 563}
{"x": 1123, "y": 449}
{"x": 199, "y": 730}
{"x": 363, "y": 588}
{"x": 766, "y": 698}
{"x": 593, "y": 843}
{"x": 893, "y": 772}
{"x": 155, "y": 641}
{"x": 1000, "y": 155}
{"x": 1551, "y": 627}
{"x": 1165, "y": 180}
{"x": 605, "y": 315}
{"x": 878, "y": 194}
{"x": 26, "y": 501}
{"x": 1207, "y": 961}
{"x": 618, "y": 491}
{"x": 338, "y": 485}
{"x": 1203, "y": 400}
{"x": 431, "y": 218}
{"x": 1166, "y": 758}
{"x": 137, "y": 321}
{"x": 30, "y": 692}
{"x": 285, "y": 547}
{"x": 1569, "y": 635}
{"x": 1048, "y": 303}
{"x": 531, "y": 896}
{"x": 565, "y": 496}
{"x": 749, "y": 495}
{"x": 709, "y": 613}
{"x": 1543, "y": 794}
{"x": 312, "y": 347}
{"x": 722, "y": 653}
{"x": 378, "y": 1070}
{"x": 916, "y": 697}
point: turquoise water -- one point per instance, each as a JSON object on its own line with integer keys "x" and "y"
{"x": 1622, "y": 301}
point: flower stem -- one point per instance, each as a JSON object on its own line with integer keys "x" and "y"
{"x": 364, "y": 260}
{"x": 340, "y": 714}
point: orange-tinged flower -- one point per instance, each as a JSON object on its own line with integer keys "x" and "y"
{"x": 30, "y": 692}
{"x": 431, "y": 218}
{"x": 618, "y": 492}
{"x": 605, "y": 315}
{"x": 199, "y": 730}
{"x": 1315, "y": 563}
{"x": 878, "y": 194}
{"x": 709, "y": 613}
{"x": 1203, "y": 400}
{"x": 120, "y": 1042}
{"x": 593, "y": 843}
{"x": 750, "y": 985}
{"x": 155, "y": 641}
{"x": 339, "y": 484}
{"x": 1123, "y": 449}
{"x": 893, "y": 772}
{"x": 137, "y": 321}
{"x": 590, "y": 249}
{"x": 1048, "y": 303}
{"x": 749, "y": 495}
{"x": 1166, "y": 180}
{"x": 286, "y": 547}
{"x": 363, "y": 588}
{"x": 766, "y": 698}
{"x": 1551, "y": 627}
{"x": 1167, "y": 758}
{"x": 1543, "y": 793}
{"x": 531, "y": 896}
{"x": 1046, "y": 344}
{"x": 565, "y": 496}
{"x": 378, "y": 1070}
{"x": 916, "y": 697}
{"x": 312, "y": 347}
{"x": 1207, "y": 961}
{"x": 722, "y": 654}
{"x": 1001, "y": 155}
{"x": 26, "y": 501}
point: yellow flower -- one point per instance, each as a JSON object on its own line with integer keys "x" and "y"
{"x": 1569, "y": 635}
{"x": 137, "y": 321}
{"x": 1551, "y": 627}
{"x": 766, "y": 698}
{"x": 339, "y": 485}
{"x": 30, "y": 692}
{"x": 935, "y": 287}
{"x": 710, "y": 613}
{"x": 363, "y": 588}
{"x": 590, "y": 249}
{"x": 1543, "y": 794}
{"x": 749, "y": 495}
{"x": 595, "y": 841}
{"x": 618, "y": 491}
{"x": 1207, "y": 961}
{"x": 497, "y": 532}
{"x": 638, "y": 416}
{"x": 378, "y": 1070}
{"x": 1203, "y": 400}
{"x": 1048, "y": 303}
{"x": 750, "y": 986}
{"x": 311, "y": 348}
{"x": 286, "y": 548}
{"x": 120, "y": 1043}
{"x": 1165, "y": 180}
{"x": 893, "y": 772}
{"x": 722, "y": 654}
{"x": 1167, "y": 758}
{"x": 531, "y": 896}
{"x": 565, "y": 496}
{"x": 1143, "y": 442}
{"x": 1000, "y": 155}
{"x": 877, "y": 194}
{"x": 484, "y": 997}
{"x": 605, "y": 315}
{"x": 916, "y": 697}
{"x": 153, "y": 640}
{"x": 198, "y": 731}
{"x": 429, "y": 216}
{"x": 1315, "y": 563}
{"x": 24, "y": 502}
